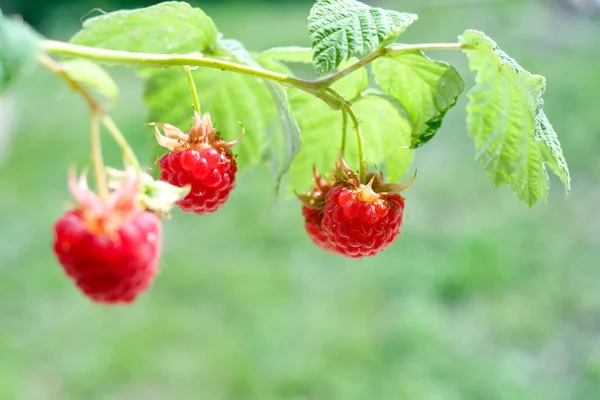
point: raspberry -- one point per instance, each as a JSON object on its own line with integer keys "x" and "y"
{"x": 199, "y": 159}
{"x": 109, "y": 249}
{"x": 361, "y": 220}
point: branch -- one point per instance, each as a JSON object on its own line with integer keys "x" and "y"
{"x": 168, "y": 60}
{"x": 95, "y": 107}
{"x": 326, "y": 82}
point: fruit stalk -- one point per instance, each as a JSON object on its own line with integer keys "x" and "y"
{"x": 344, "y": 130}
{"x": 128, "y": 153}
{"x": 190, "y": 78}
{"x": 96, "y": 151}
{"x": 359, "y": 143}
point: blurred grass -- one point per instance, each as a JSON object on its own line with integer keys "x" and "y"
{"x": 480, "y": 298}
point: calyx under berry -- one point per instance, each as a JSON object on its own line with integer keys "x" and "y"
{"x": 315, "y": 199}
{"x": 105, "y": 216}
{"x": 373, "y": 188}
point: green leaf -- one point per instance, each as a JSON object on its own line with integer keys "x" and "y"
{"x": 513, "y": 137}
{"x": 321, "y": 132}
{"x": 551, "y": 150}
{"x": 92, "y": 76}
{"x": 170, "y": 27}
{"x": 341, "y": 29}
{"x": 18, "y": 47}
{"x": 387, "y": 137}
{"x": 351, "y": 86}
{"x": 386, "y": 134}
{"x": 290, "y": 133}
{"x": 287, "y": 132}
{"x": 291, "y": 54}
{"x": 426, "y": 89}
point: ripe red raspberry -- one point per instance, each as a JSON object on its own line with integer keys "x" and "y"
{"x": 362, "y": 220}
{"x": 109, "y": 249}
{"x": 200, "y": 159}
{"x": 312, "y": 211}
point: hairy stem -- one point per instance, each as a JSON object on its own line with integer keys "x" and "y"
{"x": 190, "y": 78}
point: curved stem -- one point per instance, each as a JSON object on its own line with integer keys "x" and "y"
{"x": 360, "y": 144}
{"x": 96, "y": 151}
{"x": 57, "y": 69}
{"x": 190, "y": 78}
{"x": 328, "y": 81}
{"x": 168, "y": 60}
{"x": 96, "y": 109}
{"x": 199, "y": 60}
{"x": 128, "y": 154}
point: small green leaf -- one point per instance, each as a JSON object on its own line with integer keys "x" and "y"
{"x": 341, "y": 29}
{"x": 291, "y": 54}
{"x": 18, "y": 47}
{"x": 513, "y": 137}
{"x": 351, "y": 86}
{"x": 155, "y": 195}
{"x": 170, "y": 27}
{"x": 93, "y": 76}
{"x": 426, "y": 89}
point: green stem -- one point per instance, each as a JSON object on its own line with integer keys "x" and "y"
{"x": 344, "y": 130}
{"x": 328, "y": 81}
{"x": 128, "y": 154}
{"x": 360, "y": 144}
{"x": 98, "y": 162}
{"x": 168, "y": 60}
{"x": 319, "y": 88}
{"x": 96, "y": 110}
{"x": 190, "y": 78}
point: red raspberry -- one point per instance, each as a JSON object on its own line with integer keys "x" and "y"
{"x": 359, "y": 222}
{"x": 199, "y": 159}
{"x": 109, "y": 249}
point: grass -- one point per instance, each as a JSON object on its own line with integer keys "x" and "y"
{"x": 480, "y": 298}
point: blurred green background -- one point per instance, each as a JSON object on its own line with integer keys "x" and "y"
{"x": 480, "y": 298}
